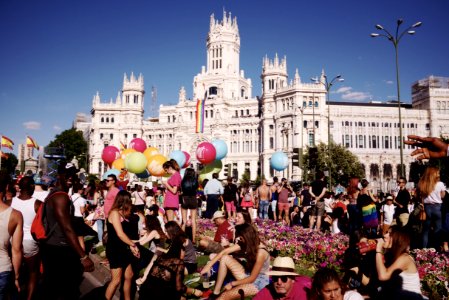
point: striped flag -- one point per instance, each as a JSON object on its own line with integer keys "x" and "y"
{"x": 6, "y": 142}
{"x": 32, "y": 143}
{"x": 200, "y": 104}
{"x": 122, "y": 146}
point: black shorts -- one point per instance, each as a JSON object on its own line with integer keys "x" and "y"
{"x": 189, "y": 202}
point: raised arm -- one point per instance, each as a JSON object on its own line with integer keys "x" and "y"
{"x": 430, "y": 147}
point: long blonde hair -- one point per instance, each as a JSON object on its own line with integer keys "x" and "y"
{"x": 428, "y": 181}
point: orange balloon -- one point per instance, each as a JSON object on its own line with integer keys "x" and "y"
{"x": 155, "y": 163}
{"x": 125, "y": 152}
{"x": 118, "y": 164}
{"x": 150, "y": 151}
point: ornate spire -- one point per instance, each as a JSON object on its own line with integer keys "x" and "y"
{"x": 323, "y": 76}
{"x": 118, "y": 99}
{"x": 297, "y": 78}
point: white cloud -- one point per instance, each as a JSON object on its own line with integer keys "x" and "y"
{"x": 356, "y": 96}
{"x": 348, "y": 94}
{"x": 389, "y": 81}
{"x": 343, "y": 90}
{"x": 56, "y": 128}
{"x": 32, "y": 125}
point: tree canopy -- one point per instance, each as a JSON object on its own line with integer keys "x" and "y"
{"x": 9, "y": 162}
{"x": 342, "y": 163}
{"x": 73, "y": 143}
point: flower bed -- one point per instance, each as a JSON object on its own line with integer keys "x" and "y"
{"x": 312, "y": 250}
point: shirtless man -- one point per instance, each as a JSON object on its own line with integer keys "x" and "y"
{"x": 263, "y": 194}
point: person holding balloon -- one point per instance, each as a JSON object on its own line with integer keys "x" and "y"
{"x": 172, "y": 186}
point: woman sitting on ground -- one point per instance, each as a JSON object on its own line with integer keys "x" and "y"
{"x": 155, "y": 237}
{"x": 250, "y": 278}
{"x": 401, "y": 273}
{"x": 327, "y": 285}
{"x": 166, "y": 275}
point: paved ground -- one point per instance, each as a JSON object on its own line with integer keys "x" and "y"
{"x": 94, "y": 283}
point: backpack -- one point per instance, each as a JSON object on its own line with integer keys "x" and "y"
{"x": 39, "y": 227}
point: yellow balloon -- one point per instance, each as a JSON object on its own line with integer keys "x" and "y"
{"x": 150, "y": 151}
{"x": 155, "y": 163}
{"x": 118, "y": 164}
{"x": 125, "y": 152}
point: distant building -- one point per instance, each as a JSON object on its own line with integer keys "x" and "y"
{"x": 25, "y": 159}
{"x": 289, "y": 114}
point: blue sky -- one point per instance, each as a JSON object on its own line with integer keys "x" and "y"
{"x": 55, "y": 55}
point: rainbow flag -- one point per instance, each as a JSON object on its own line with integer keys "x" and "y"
{"x": 200, "y": 104}
{"x": 6, "y": 142}
{"x": 32, "y": 143}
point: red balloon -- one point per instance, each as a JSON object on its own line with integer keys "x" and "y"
{"x": 187, "y": 155}
{"x": 110, "y": 153}
{"x": 205, "y": 153}
{"x": 138, "y": 144}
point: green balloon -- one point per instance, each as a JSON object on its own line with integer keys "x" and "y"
{"x": 136, "y": 162}
{"x": 214, "y": 167}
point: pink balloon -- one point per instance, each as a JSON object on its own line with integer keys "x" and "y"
{"x": 205, "y": 153}
{"x": 138, "y": 145}
{"x": 109, "y": 154}
{"x": 187, "y": 155}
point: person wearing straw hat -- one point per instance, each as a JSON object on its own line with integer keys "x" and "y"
{"x": 285, "y": 284}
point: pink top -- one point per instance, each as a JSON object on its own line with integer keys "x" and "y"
{"x": 298, "y": 291}
{"x": 172, "y": 200}
{"x": 109, "y": 200}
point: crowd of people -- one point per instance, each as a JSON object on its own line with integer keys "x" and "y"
{"x": 152, "y": 242}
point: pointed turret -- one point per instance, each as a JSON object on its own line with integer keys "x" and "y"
{"x": 118, "y": 99}
{"x": 323, "y": 76}
{"x": 297, "y": 79}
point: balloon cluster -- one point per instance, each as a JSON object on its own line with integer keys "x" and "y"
{"x": 138, "y": 159}
{"x": 147, "y": 161}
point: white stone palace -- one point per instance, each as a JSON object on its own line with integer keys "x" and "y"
{"x": 289, "y": 114}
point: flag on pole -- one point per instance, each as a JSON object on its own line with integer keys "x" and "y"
{"x": 6, "y": 142}
{"x": 122, "y": 146}
{"x": 3, "y": 155}
{"x": 200, "y": 104}
{"x": 32, "y": 143}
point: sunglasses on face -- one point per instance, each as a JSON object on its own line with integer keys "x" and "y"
{"x": 284, "y": 278}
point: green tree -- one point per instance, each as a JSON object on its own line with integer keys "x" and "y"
{"x": 245, "y": 177}
{"x": 9, "y": 162}
{"x": 342, "y": 163}
{"x": 74, "y": 145}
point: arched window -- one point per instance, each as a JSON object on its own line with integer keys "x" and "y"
{"x": 102, "y": 120}
{"x": 242, "y": 93}
{"x": 213, "y": 90}
{"x": 112, "y": 120}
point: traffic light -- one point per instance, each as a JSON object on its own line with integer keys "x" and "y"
{"x": 313, "y": 157}
{"x": 227, "y": 170}
{"x": 297, "y": 157}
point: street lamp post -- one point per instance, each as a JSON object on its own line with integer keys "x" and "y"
{"x": 395, "y": 40}
{"x": 327, "y": 85}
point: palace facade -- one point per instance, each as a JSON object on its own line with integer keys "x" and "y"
{"x": 289, "y": 114}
